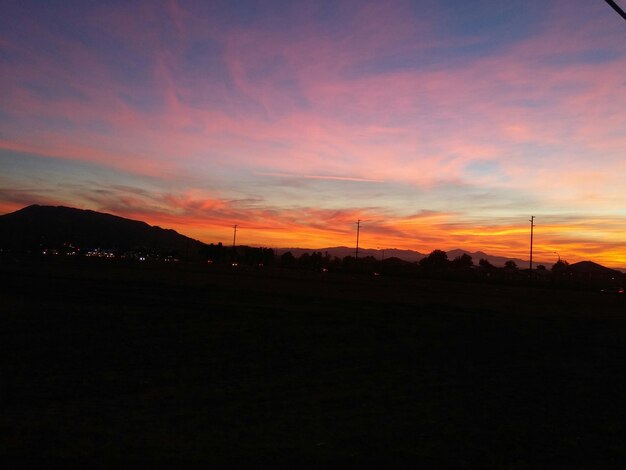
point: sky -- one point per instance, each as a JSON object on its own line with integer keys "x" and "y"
{"x": 439, "y": 124}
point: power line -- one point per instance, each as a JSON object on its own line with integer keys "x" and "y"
{"x": 617, "y": 8}
{"x": 234, "y": 234}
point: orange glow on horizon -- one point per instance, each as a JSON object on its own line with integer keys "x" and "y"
{"x": 423, "y": 235}
{"x": 507, "y": 241}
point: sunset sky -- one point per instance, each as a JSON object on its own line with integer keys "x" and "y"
{"x": 439, "y": 123}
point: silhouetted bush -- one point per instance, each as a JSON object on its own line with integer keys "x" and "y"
{"x": 462, "y": 262}
{"x": 287, "y": 260}
{"x": 510, "y": 265}
{"x": 485, "y": 264}
{"x": 435, "y": 264}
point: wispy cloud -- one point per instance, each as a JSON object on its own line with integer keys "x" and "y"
{"x": 319, "y": 177}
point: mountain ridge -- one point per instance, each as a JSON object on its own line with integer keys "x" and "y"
{"x": 36, "y": 226}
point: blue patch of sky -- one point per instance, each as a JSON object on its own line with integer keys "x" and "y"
{"x": 292, "y": 191}
{"x": 17, "y": 27}
{"x": 294, "y": 96}
{"x": 267, "y": 69}
{"x": 469, "y": 197}
{"x": 325, "y": 17}
{"x": 482, "y": 168}
{"x": 49, "y": 171}
{"x": 24, "y": 124}
{"x": 204, "y": 58}
{"x": 99, "y": 126}
{"x": 70, "y": 22}
{"x": 540, "y": 156}
{"x": 240, "y": 13}
{"x": 9, "y": 58}
{"x": 434, "y": 58}
{"x": 122, "y": 63}
{"x": 527, "y": 103}
{"x": 495, "y": 21}
{"x": 48, "y": 88}
{"x": 203, "y": 62}
{"x": 278, "y": 73}
{"x": 594, "y": 57}
{"x": 475, "y": 29}
{"x": 144, "y": 101}
{"x": 5, "y": 117}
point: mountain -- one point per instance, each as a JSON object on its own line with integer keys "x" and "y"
{"x": 592, "y": 269}
{"x": 47, "y": 226}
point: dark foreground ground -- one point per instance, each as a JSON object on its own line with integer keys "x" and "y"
{"x": 104, "y": 363}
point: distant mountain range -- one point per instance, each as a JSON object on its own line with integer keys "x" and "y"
{"x": 47, "y": 226}
{"x": 407, "y": 255}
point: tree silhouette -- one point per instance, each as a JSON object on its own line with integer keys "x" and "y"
{"x": 436, "y": 262}
{"x": 317, "y": 260}
{"x": 485, "y": 264}
{"x": 304, "y": 260}
{"x": 561, "y": 270}
{"x": 287, "y": 260}
{"x": 462, "y": 262}
{"x": 258, "y": 256}
{"x": 510, "y": 265}
{"x": 561, "y": 266}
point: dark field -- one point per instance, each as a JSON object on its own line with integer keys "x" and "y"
{"x": 105, "y": 363}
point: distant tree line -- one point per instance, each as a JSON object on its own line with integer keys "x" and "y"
{"x": 244, "y": 255}
{"x": 435, "y": 265}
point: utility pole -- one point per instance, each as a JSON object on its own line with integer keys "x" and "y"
{"x": 532, "y": 226}
{"x": 234, "y": 234}
{"x": 358, "y": 228}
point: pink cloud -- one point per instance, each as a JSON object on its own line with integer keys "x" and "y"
{"x": 320, "y": 177}
{"x": 314, "y": 139}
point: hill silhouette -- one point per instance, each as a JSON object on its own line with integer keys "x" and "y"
{"x": 591, "y": 268}
{"x": 34, "y": 227}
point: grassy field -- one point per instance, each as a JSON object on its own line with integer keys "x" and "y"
{"x": 105, "y": 363}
